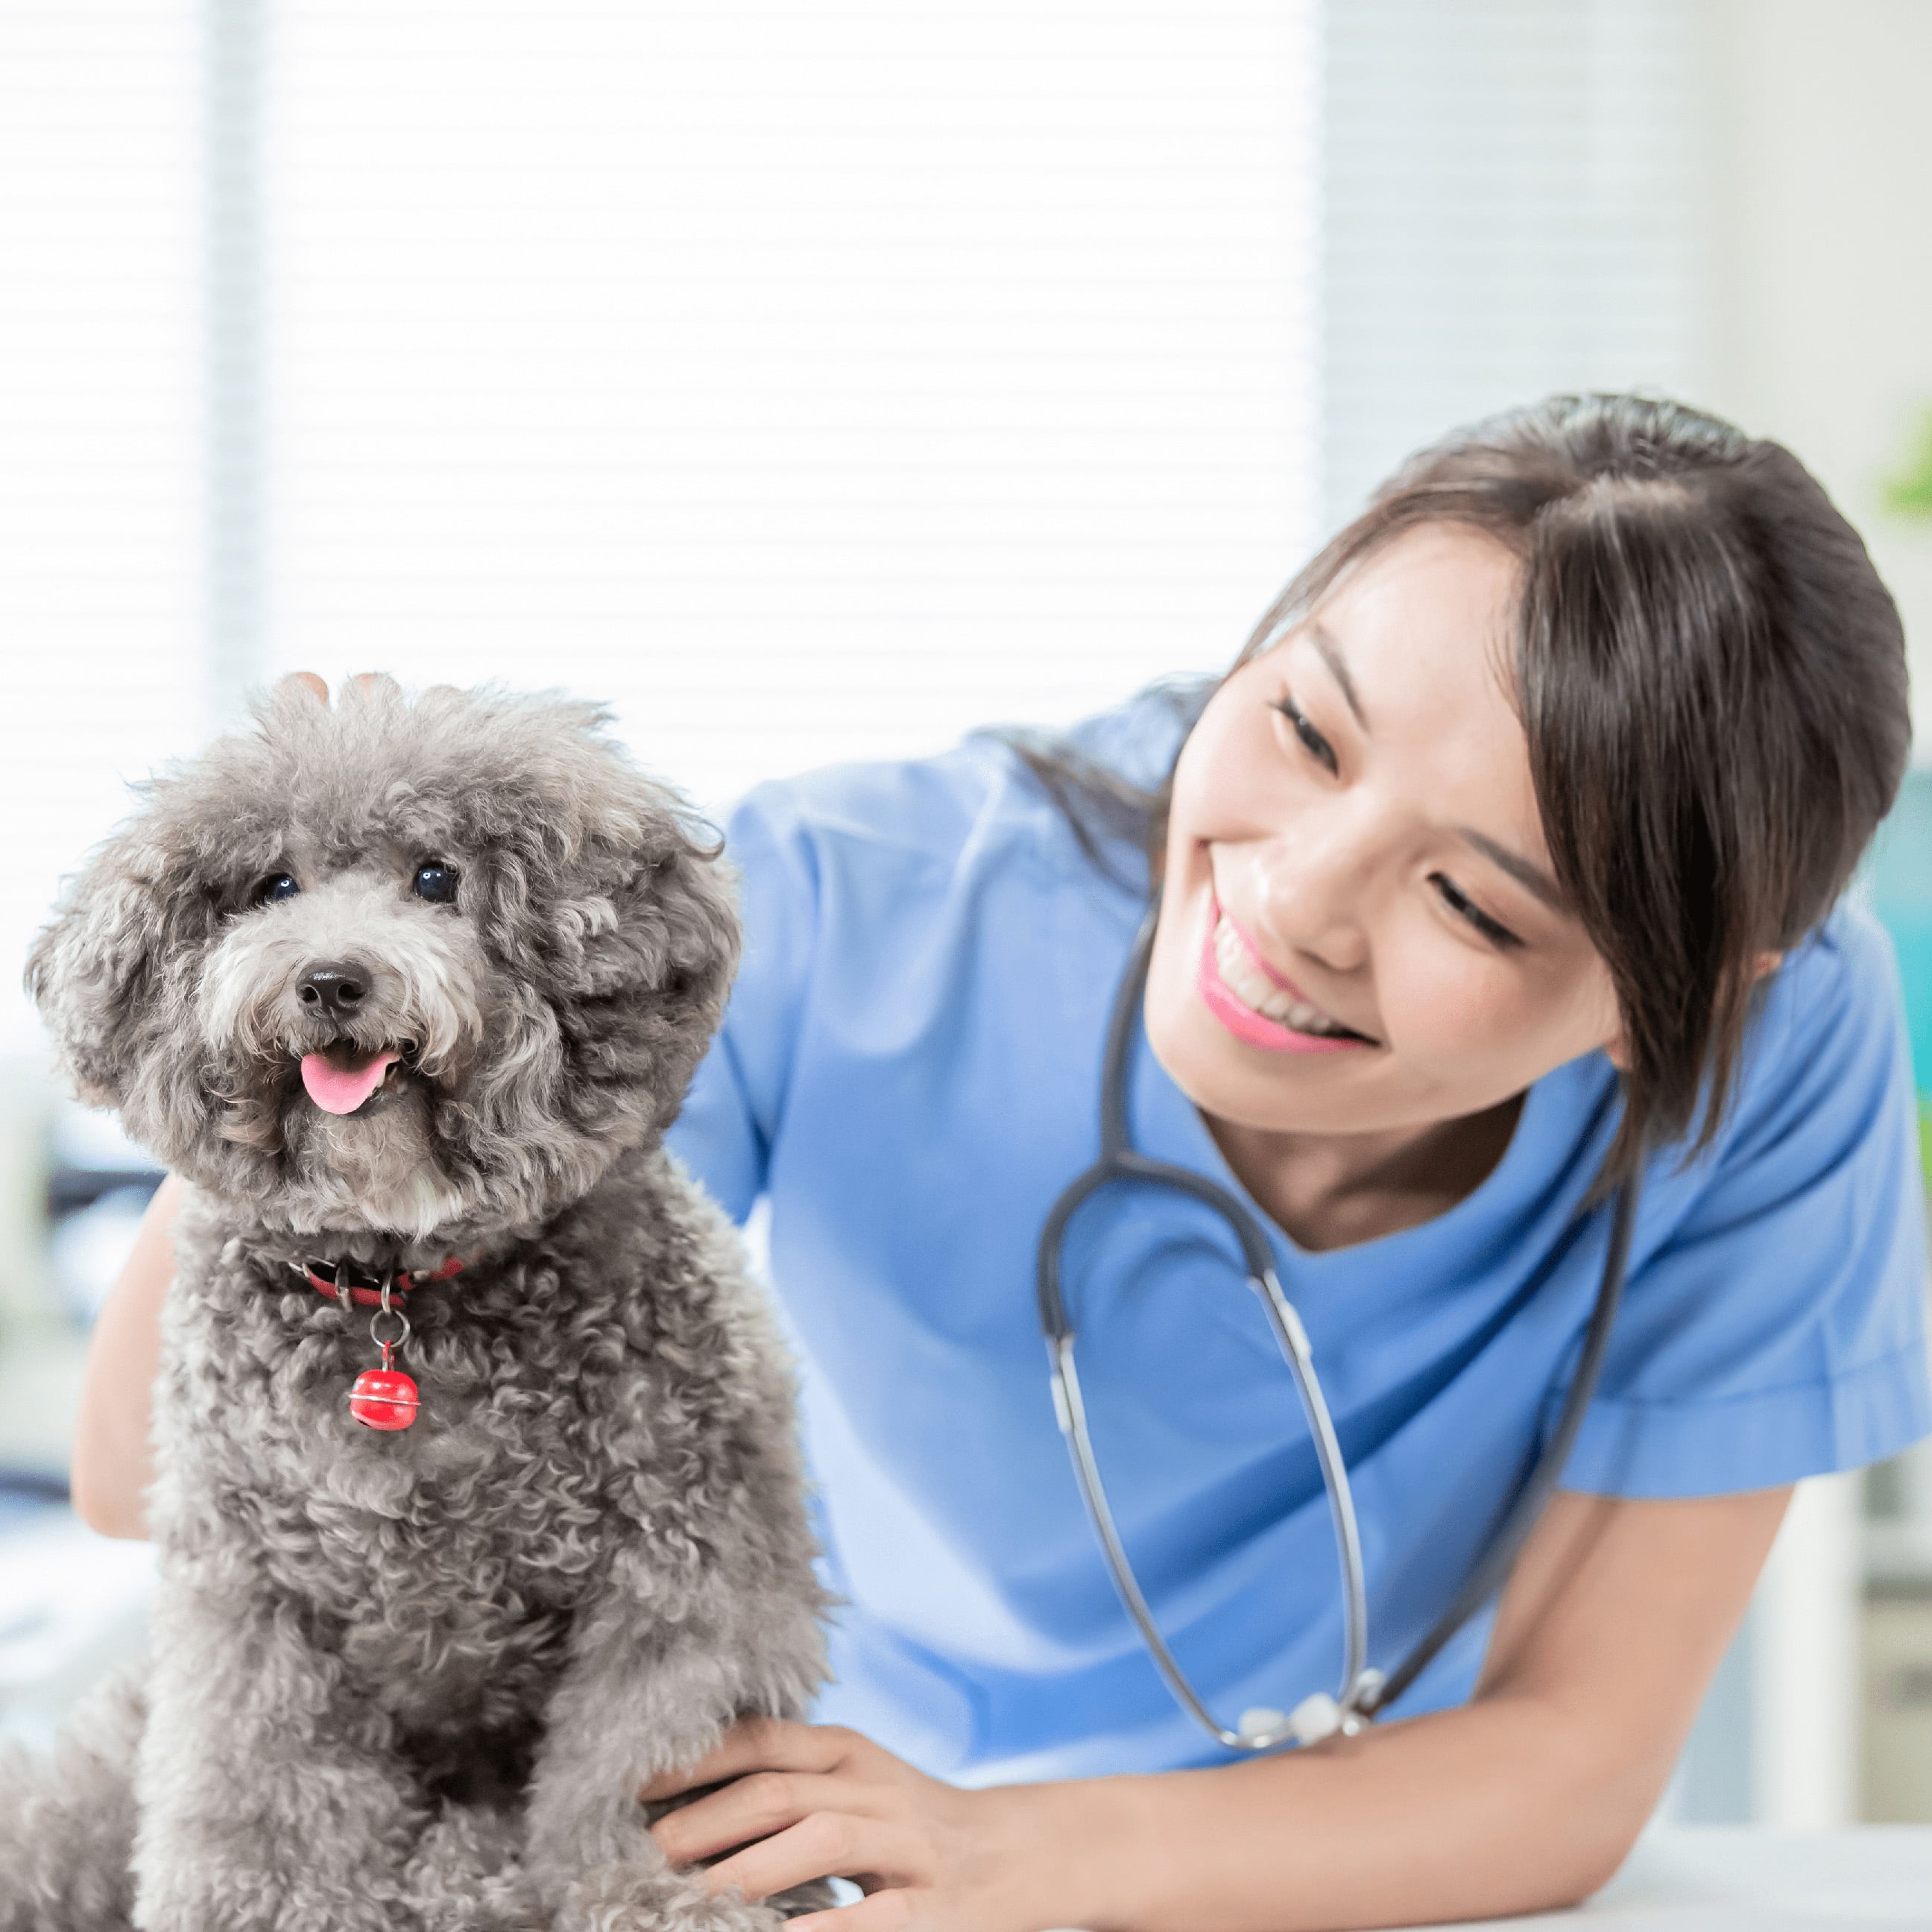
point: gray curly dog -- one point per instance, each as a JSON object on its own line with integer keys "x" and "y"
{"x": 394, "y": 983}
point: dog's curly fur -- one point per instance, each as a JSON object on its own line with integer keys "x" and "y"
{"x": 411, "y": 1681}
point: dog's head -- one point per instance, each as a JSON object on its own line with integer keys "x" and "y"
{"x": 425, "y": 967}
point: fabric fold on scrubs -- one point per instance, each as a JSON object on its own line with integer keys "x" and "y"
{"x": 909, "y": 1073}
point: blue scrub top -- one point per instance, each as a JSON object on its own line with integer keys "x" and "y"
{"x": 909, "y": 1071}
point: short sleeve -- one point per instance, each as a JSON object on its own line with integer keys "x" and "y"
{"x": 1776, "y": 1328}
{"x": 724, "y": 1132}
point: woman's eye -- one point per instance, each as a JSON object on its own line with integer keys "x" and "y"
{"x": 434, "y": 881}
{"x": 1498, "y": 936}
{"x": 1318, "y": 746}
{"x": 276, "y": 885}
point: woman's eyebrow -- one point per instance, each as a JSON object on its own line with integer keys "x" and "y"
{"x": 1330, "y": 654}
{"x": 1533, "y": 879}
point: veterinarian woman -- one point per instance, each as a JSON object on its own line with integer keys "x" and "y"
{"x": 1498, "y": 873}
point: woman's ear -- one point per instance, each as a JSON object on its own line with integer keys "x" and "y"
{"x": 1606, "y": 1012}
{"x": 1617, "y": 1051}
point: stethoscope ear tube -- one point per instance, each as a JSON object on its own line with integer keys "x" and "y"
{"x": 1364, "y": 1692}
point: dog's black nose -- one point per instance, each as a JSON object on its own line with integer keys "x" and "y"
{"x": 333, "y": 991}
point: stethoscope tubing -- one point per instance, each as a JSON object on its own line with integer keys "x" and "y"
{"x": 1364, "y": 1692}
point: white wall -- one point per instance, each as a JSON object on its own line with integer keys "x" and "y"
{"x": 1819, "y": 233}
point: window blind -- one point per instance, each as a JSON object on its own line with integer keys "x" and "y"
{"x": 811, "y": 383}
{"x": 1513, "y": 206}
{"x": 100, "y": 434}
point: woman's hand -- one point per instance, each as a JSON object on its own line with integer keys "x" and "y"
{"x": 821, "y": 1802}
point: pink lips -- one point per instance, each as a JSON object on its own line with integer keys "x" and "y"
{"x": 1241, "y": 1020}
{"x": 337, "y": 1091}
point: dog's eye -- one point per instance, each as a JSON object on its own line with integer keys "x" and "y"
{"x": 276, "y": 885}
{"x": 434, "y": 881}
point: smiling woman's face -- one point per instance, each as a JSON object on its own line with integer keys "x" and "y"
{"x": 1359, "y": 929}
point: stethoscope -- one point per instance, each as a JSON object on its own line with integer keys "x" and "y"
{"x": 1364, "y": 1692}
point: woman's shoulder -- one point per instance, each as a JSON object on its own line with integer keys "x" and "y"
{"x": 983, "y": 798}
{"x": 1773, "y": 1326}
{"x": 871, "y": 894}
{"x": 913, "y": 808}
{"x": 1831, "y": 1019}
{"x": 1851, "y": 949}
{"x": 1823, "y": 1085}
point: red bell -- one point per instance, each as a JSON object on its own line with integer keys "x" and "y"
{"x": 383, "y": 1399}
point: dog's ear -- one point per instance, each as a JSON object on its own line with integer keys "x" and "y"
{"x": 123, "y": 929}
{"x": 677, "y": 941}
{"x": 606, "y": 896}
{"x": 640, "y": 984}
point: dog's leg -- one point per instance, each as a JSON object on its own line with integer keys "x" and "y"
{"x": 641, "y": 1698}
{"x": 465, "y": 1877}
{"x": 589, "y": 1850}
{"x": 67, "y": 1824}
{"x": 270, "y": 1798}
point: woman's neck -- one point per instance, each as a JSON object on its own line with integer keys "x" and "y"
{"x": 1334, "y": 1190}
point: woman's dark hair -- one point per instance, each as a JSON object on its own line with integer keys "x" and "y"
{"x": 1712, "y": 680}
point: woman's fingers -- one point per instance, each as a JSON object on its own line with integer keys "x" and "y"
{"x": 751, "y": 1807}
{"x": 797, "y": 1802}
{"x": 890, "y": 1910}
{"x": 825, "y": 1844}
{"x": 887, "y": 1911}
{"x": 758, "y": 1744}
{"x": 366, "y": 680}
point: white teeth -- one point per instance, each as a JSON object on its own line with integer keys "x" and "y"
{"x": 1254, "y": 989}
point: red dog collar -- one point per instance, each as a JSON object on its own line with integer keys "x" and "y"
{"x": 334, "y": 1279}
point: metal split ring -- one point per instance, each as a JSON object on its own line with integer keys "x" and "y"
{"x": 402, "y": 1334}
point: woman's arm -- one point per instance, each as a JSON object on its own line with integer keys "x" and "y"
{"x": 1528, "y": 1797}
{"x": 111, "y": 1464}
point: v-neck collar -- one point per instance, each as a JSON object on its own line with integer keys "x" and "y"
{"x": 1166, "y": 1124}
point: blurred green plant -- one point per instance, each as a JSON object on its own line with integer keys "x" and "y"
{"x": 1909, "y": 493}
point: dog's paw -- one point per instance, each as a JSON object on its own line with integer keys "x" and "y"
{"x": 640, "y": 1898}
{"x": 464, "y": 1876}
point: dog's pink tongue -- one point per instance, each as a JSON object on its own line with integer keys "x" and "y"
{"x": 336, "y": 1092}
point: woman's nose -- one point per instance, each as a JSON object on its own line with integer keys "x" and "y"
{"x": 1313, "y": 889}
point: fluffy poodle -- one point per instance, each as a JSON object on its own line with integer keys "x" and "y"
{"x": 409, "y": 991}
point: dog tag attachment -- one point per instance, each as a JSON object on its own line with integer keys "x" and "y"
{"x": 384, "y": 1399}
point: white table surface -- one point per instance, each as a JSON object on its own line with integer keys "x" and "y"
{"x": 1739, "y": 1878}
